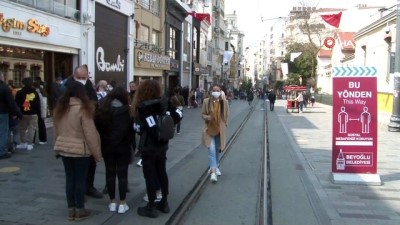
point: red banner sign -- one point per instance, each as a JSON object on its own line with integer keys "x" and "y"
{"x": 354, "y": 135}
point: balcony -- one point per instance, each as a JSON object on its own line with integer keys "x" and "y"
{"x": 57, "y": 8}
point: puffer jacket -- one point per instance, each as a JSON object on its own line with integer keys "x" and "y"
{"x": 148, "y": 143}
{"x": 76, "y": 134}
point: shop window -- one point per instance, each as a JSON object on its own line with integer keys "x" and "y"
{"x": 18, "y": 74}
{"x": 34, "y": 71}
{"x": 4, "y": 69}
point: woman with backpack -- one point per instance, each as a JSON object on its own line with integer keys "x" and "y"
{"x": 147, "y": 106}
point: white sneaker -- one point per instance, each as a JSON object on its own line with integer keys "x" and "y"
{"x": 218, "y": 172}
{"x": 42, "y": 142}
{"x": 29, "y": 147}
{"x": 213, "y": 177}
{"x": 112, "y": 207}
{"x": 22, "y": 146}
{"x": 123, "y": 208}
{"x": 139, "y": 164}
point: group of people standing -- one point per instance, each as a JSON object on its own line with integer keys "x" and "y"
{"x": 91, "y": 127}
{"x": 22, "y": 113}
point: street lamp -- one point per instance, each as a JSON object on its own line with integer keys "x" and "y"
{"x": 394, "y": 124}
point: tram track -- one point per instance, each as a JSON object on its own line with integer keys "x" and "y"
{"x": 263, "y": 212}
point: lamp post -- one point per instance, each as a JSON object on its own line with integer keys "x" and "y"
{"x": 394, "y": 124}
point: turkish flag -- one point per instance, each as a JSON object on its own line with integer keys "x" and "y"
{"x": 201, "y": 16}
{"x": 332, "y": 19}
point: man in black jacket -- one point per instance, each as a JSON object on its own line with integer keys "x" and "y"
{"x": 28, "y": 101}
{"x": 81, "y": 75}
{"x": 7, "y": 108}
{"x": 271, "y": 98}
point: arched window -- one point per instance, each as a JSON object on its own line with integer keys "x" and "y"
{"x": 18, "y": 73}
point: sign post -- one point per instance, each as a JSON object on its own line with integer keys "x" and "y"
{"x": 354, "y": 120}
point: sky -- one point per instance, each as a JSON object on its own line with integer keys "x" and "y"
{"x": 250, "y": 12}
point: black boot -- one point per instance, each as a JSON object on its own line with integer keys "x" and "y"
{"x": 147, "y": 211}
{"x": 162, "y": 206}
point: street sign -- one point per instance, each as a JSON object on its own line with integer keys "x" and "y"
{"x": 354, "y": 134}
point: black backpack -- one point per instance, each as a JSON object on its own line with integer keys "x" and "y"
{"x": 165, "y": 127}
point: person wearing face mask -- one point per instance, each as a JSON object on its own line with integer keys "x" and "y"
{"x": 215, "y": 112}
{"x": 81, "y": 75}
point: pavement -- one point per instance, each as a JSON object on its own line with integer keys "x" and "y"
{"x": 302, "y": 192}
{"x": 32, "y": 183}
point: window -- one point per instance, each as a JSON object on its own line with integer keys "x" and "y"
{"x": 155, "y": 37}
{"x": 144, "y": 33}
{"x": 18, "y": 74}
{"x": 172, "y": 43}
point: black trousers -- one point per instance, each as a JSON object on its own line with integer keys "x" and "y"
{"x": 154, "y": 167}
{"x": 271, "y": 105}
{"x": 41, "y": 132}
{"x": 75, "y": 175}
{"x": 117, "y": 166}
{"x": 91, "y": 173}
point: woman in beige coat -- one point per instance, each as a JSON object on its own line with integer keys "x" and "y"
{"x": 215, "y": 113}
{"x": 76, "y": 139}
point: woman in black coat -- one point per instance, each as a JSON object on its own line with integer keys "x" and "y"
{"x": 114, "y": 123}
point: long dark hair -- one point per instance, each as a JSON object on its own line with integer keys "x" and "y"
{"x": 104, "y": 111}
{"x": 147, "y": 90}
{"x": 77, "y": 90}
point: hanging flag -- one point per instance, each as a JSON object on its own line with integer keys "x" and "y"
{"x": 201, "y": 16}
{"x": 294, "y": 55}
{"x": 332, "y": 19}
{"x": 227, "y": 56}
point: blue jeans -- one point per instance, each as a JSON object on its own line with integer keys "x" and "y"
{"x": 75, "y": 180}
{"x": 3, "y": 134}
{"x": 213, "y": 152}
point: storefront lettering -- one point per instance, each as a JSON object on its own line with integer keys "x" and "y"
{"x": 114, "y": 3}
{"x": 153, "y": 58}
{"x": 104, "y": 66}
{"x": 35, "y": 27}
{"x": 32, "y": 26}
{"x": 7, "y": 24}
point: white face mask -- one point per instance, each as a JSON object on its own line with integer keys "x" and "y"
{"x": 216, "y": 94}
{"x": 82, "y": 82}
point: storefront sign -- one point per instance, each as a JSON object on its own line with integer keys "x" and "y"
{"x": 104, "y": 66}
{"x": 32, "y": 26}
{"x": 151, "y": 60}
{"x": 354, "y": 135}
{"x": 111, "y": 45}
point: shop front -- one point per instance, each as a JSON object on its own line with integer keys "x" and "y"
{"x": 151, "y": 65}
{"x": 35, "y": 44}
{"x": 112, "y": 45}
{"x": 173, "y": 75}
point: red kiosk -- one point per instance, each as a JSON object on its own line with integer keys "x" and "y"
{"x": 291, "y": 93}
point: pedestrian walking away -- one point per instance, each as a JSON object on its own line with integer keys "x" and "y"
{"x": 76, "y": 140}
{"x": 271, "y": 98}
{"x": 215, "y": 112}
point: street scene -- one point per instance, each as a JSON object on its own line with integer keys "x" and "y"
{"x": 199, "y": 112}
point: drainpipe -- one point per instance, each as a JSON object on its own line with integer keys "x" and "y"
{"x": 394, "y": 124}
